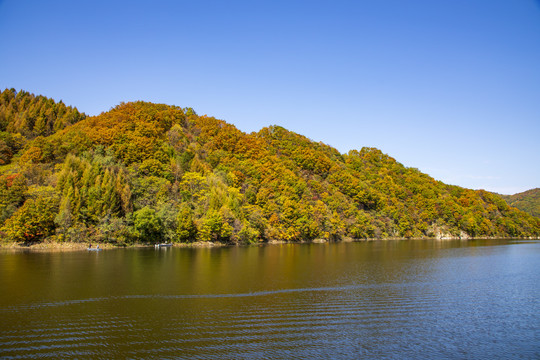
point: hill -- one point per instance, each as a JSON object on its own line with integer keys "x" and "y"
{"x": 146, "y": 172}
{"x": 528, "y": 201}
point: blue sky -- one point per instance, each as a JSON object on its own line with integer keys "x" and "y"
{"x": 451, "y": 87}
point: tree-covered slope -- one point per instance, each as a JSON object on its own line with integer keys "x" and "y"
{"x": 146, "y": 172}
{"x": 31, "y": 115}
{"x": 528, "y": 201}
{"x": 25, "y": 116}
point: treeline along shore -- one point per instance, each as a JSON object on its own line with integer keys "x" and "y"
{"x": 145, "y": 173}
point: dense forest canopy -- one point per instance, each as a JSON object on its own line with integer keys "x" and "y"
{"x": 146, "y": 172}
{"x": 528, "y": 201}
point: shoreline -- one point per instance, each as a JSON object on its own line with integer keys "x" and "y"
{"x": 49, "y": 246}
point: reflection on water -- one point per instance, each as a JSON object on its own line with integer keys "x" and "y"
{"x": 388, "y": 299}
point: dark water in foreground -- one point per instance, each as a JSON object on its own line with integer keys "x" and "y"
{"x": 394, "y": 299}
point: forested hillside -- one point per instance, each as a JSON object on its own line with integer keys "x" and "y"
{"x": 528, "y": 201}
{"x": 25, "y": 116}
{"x": 146, "y": 172}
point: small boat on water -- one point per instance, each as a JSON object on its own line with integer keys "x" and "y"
{"x": 157, "y": 246}
{"x": 90, "y": 248}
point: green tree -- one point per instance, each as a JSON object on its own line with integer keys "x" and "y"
{"x": 33, "y": 221}
{"x": 148, "y": 225}
{"x": 12, "y": 194}
{"x": 186, "y": 230}
{"x": 213, "y": 228}
{"x": 64, "y": 218}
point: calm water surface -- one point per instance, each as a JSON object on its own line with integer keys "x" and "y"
{"x": 384, "y": 300}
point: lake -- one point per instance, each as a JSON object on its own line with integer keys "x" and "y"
{"x": 383, "y": 299}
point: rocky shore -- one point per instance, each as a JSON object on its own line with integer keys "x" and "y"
{"x": 78, "y": 246}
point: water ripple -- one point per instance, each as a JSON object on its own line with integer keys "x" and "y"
{"x": 196, "y": 296}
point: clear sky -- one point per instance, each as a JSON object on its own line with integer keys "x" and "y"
{"x": 451, "y": 87}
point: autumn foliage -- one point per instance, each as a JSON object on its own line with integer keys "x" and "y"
{"x": 146, "y": 172}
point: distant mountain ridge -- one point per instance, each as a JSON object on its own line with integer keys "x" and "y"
{"x": 528, "y": 201}
{"x": 145, "y": 172}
